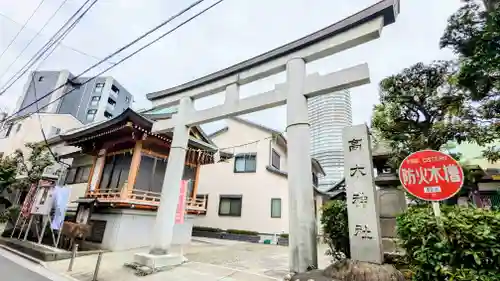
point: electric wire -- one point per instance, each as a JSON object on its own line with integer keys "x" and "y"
{"x": 41, "y": 125}
{"x": 22, "y": 28}
{"x": 46, "y": 47}
{"x": 55, "y": 45}
{"x": 128, "y": 45}
{"x": 118, "y": 62}
{"x": 33, "y": 39}
{"x": 63, "y": 45}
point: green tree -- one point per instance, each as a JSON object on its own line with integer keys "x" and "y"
{"x": 32, "y": 164}
{"x": 8, "y": 172}
{"x": 422, "y": 108}
{"x": 473, "y": 33}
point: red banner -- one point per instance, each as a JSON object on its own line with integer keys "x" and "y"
{"x": 28, "y": 201}
{"x": 181, "y": 204}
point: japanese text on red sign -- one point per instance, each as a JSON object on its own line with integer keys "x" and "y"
{"x": 448, "y": 173}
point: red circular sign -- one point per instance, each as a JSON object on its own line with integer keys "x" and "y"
{"x": 431, "y": 175}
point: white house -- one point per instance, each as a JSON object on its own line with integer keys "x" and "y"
{"x": 16, "y": 132}
{"x": 250, "y": 191}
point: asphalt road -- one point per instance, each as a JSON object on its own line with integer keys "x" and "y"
{"x": 13, "y": 272}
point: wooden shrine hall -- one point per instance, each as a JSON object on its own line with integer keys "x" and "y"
{"x": 129, "y": 161}
{"x": 118, "y": 172}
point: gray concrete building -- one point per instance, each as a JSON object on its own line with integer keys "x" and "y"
{"x": 100, "y": 98}
{"x": 328, "y": 115}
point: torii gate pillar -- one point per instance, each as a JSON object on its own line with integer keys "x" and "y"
{"x": 355, "y": 30}
{"x": 302, "y": 223}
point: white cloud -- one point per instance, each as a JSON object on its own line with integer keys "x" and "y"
{"x": 233, "y": 31}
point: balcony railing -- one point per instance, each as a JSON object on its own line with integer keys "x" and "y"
{"x": 143, "y": 198}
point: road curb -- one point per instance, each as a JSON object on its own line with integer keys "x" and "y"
{"x": 38, "y": 262}
{"x": 23, "y": 255}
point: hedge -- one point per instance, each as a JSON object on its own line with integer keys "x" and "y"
{"x": 465, "y": 245}
{"x": 244, "y": 232}
{"x": 336, "y": 229}
{"x": 206, "y": 229}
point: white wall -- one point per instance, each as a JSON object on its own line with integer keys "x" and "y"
{"x": 129, "y": 229}
{"x": 256, "y": 189}
{"x": 30, "y": 130}
{"x": 78, "y": 189}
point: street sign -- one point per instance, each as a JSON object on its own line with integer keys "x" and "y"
{"x": 431, "y": 175}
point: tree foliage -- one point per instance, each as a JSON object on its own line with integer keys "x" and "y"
{"x": 422, "y": 108}
{"x": 32, "y": 164}
{"x": 8, "y": 172}
{"x": 336, "y": 229}
{"x": 463, "y": 246}
{"x": 473, "y": 33}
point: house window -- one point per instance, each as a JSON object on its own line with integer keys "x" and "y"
{"x": 18, "y": 127}
{"x": 112, "y": 103}
{"x": 91, "y": 114}
{"x": 127, "y": 99}
{"x": 9, "y": 129}
{"x": 230, "y": 205}
{"x": 95, "y": 100}
{"x": 245, "y": 163}
{"x": 115, "y": 89}
{"x": 275, "y": 159}
{"x": 275, "y": 208}
{"x": 107, "y": 114}
{"x": 78, "y": 175}
{"x": 99, "y": 87}
{"x": 40, "y": 79}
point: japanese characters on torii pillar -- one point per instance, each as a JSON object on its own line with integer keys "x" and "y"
{"x": 362, "y": 200}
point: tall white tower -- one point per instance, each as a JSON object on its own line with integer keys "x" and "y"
{"x": 328, "y": 115}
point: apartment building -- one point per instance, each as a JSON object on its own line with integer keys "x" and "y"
{"x": 99, "y": 99}
{"x": 328, "y": 115}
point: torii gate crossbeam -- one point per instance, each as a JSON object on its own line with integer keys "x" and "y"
{"x": 355, "y": 30}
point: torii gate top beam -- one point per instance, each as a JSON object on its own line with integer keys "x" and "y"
{"x": 325, "y": 42}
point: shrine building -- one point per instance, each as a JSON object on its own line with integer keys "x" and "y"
{"x": 117, "y": 173}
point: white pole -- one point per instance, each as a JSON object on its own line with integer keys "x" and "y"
{"x": 303, "y": 244}
{"x": 15, "y": 225}
{"x": 437, "y": 210}
{"x": 165, "y": 218}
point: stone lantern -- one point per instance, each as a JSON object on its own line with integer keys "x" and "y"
{"x": 392, "y": 199}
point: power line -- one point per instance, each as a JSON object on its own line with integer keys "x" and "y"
{"x": 32, "y": 39}
{"x": 56, "y": 44}
{"x": 148, "y": 33}
{"x": 121, "y": 49}
{"x": 119, "y": 62}
{"x": 47, "y": 46}
{"x": 22, "y": 28}
{"x": 41, "y": 34}
{"x": 41, "y": 125}
{"x": 127, "y": 57}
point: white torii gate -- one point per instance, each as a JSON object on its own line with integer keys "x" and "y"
{"x": 292, "y": 58}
